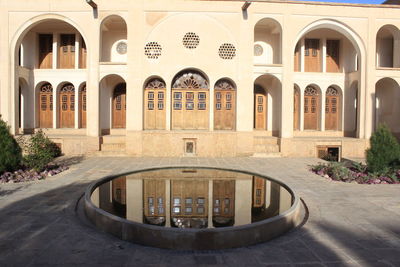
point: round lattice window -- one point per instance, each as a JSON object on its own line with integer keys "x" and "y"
{"x": 122, "y": 47}
{"x": 191, "y": 40}
{"x": 258, "y": 50}
{"x": 152, "y": 50}
{"x": 227, "y": 51}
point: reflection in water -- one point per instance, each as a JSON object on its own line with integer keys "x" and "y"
{"x": 195, "y": 198}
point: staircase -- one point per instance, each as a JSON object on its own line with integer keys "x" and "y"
{"x": 266, "y": 146}
{"x": 111, "y": 145}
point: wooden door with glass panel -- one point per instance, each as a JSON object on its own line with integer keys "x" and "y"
{"x": 67, "y": 106}
{"x": 45, "y": 51}
{"x": 225, "y": 107}
{"x": 154, "y": 105}
{"x": 332, "y": 109}
{"x": 119, "y": 106}
{"x": 258, "y": 192}
{"x": 312, "y": 55}
{"x": 260, "y": 108}
{"x": 154, "y": 201}
{"x": 46, "y": 106}
{"x": 311, "y": 108}
{"x": 296, "y": 109}
{"x": 67, "y": 51}
{"x": 223, "y": 202}
{"x": 82, "y": 107}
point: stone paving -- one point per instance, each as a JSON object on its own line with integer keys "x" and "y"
{"x": 348, "y": 224}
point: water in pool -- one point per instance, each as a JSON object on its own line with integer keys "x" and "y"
{"x": 192, "y": 198}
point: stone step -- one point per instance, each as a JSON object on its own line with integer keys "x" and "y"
{"x": 267, "y": 155}
{"x": 266, "y": 148}
{"x": 117, "y": 147}
{"x": 265, "y": 140}
{"x": 106, "y": 154}
{"x": 114, "y": 139}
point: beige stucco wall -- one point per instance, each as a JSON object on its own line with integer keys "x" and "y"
{"x": 215, "y": 22}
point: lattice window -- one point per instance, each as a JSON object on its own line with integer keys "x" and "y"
{"x": 201, "y": 106}
{"x": 311, "y": 91}
{"x": 190, "y": 96}
{"x": 153, "y": 50}
{"x": 155, "y": 84}
{"x": 43, "y": 102}
{"x": 122, "y": 48}
{"x": 177, "y": 95}
{"x": 224, "y": 85}
{"x": 191, "y": 40}
{"x": 189, "y": 105}
{"x": 218, "y": 105}
{"x": 177, "y": 105}
{"x": 260, "y": 99}
{"x": 332, "y": 91}
{"x": 218, "y": 96}
{"x": 258, "y": 50}
{"x": 313, "y": 105}
{"x": 72, "y": 102}
{"x": 306, "y": 105}
{"x": 190, "y": 80}
{"x": 227, "y": 51}
{"x": 150, "y": 105}
{"x": 160, "y": 105}
{"x": 160, "y": 95}
{"x": 68, "y": 88}
{"x": 46, "y": 88}
{"x": 150, "y": 95}
{"x": 202, "y": 96}
{"x": 228, "y": 105}
{"x": 64, "y": 100}
{"x": 228, "y": 97}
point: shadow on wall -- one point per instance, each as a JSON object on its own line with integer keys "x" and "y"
{"x": 44, "y": 229}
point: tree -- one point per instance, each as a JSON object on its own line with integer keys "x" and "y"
{"x": 384, "y": 151}
{"x": 10, "y": 152}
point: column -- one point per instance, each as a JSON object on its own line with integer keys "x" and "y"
{"x": 134, "y": 199}
{"x": 55, "y": 50}
{"x": 302, "y": 49}
{"x": 77, "y": 104}
{"x": 77, "y": 48}
{"x": 168, "y": 203}
{"x": 210, "y": 203}
{"x": 322, "y": 110}
{"x": 243, "y": 199}
{"x": 211, "y": 106}
{"x": 323, "y": 55}
{"x": 168, "y": 106}
{"x": 301, "y": 109}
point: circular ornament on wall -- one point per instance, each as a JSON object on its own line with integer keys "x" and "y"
{"x": 152, "y": 50}
{"x": 191, "y": 40}
{"x": 227, "y": 51}
{"x": 258, "y": 50}
{"x": 122, "y": 48}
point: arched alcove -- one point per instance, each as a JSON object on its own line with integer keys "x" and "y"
{"x": 387, "y": 47}
{"x": 113, "y": 46}
{"x": 267, "y": 42}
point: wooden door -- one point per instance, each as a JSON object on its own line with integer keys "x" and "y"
{"x": 297, "y": 57}
{"x": 332, "y": 55}
{"x": 296, "y": 109}
{"x": 332, "y": 109}
{"x": 82, "y": 54}
{"x": 258, "y": 192}
{"x": 312, "y": 55}
{"x": 224, "y": 198}
{"x": 224, "y": 108}
{"x": 46, "y": 106}
{"x": 119, "y": 106}
{"x": 119, "y": 190}
{"x": 67, "y": 106}
{"x": 154, "y": 200}
{"x": 45, "y": 51}
{"x": 67, "y": 51}
{"x": 154, "y": 105}
{"x": 260, "y": 108}
{"x": 311, "y": 108}
{"x": 189, "y": 198}
{"x": 82, "y": 107}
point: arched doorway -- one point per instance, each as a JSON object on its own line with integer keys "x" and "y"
{"x": 311, "y": 108}
{"x": 332, "y": 109}
{"x": 260, "y": 108}
{"x": 225, "y": 105}
{"x": 119, "y": 106}
{"x": 296, "y": 108}
{"x": 190, "y": 109}
{"x": 154, "y": 105}
{"x": 82, "y": 106}
{"x": 66, "y": 106}
{"x": 46, "y": 106}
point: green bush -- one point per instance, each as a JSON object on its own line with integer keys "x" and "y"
{"x": 384, "y": 151}
{"x": 40, "y": 151}
{"x": 10, "y": 152}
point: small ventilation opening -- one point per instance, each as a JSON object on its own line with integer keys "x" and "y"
{"x": 329, "y": 153}
{"x": 190, "y": 147}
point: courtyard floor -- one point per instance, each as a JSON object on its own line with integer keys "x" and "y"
{"x": 348, "y": 224}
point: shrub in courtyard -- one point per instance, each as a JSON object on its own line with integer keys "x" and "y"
{"x": 10, "y": 152}
{"x": 40, "y": 151}
{"x": 384, "y": 151}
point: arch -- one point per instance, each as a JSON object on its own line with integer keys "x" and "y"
{"x": 113, "y": 39}
{"x": 225, "y": 104}
{"x": 154, "y": 104}
{"x": 82, "y": 105}
{"x": 387, "y": 110}
{"x": 387, "y": 50}
{"x": 267, "y": 41}
{"x": 296, "y": 107}
{"x": 267, "y": 103}
{"x": 341, "y": 28}
{"x": 45, "y": 104}
{"x": 107, "y": 102}
{"x": 312, "y": 107}
{"x": 333, "y": 108}
{"x": 190, "y": 109}
{"x": 23, "y": 104}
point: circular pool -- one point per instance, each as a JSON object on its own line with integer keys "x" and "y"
{"x": 192, "y": 208}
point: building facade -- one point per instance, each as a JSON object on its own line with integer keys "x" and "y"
{"x": 204, "y": 78}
